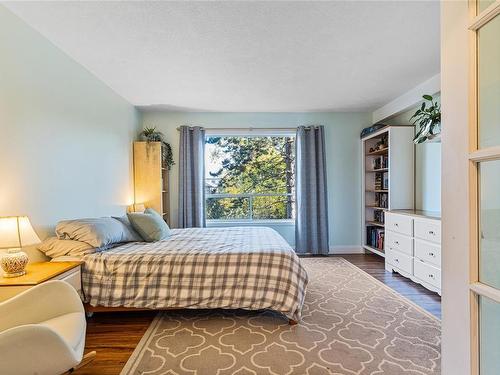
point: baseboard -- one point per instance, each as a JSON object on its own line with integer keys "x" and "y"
{"x": 346, "y": 249}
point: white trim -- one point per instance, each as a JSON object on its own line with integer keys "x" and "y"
{"x": 247, "y": 195}
{"x": 486, "y": 16}
{"x": 485, "y": 154}
{"x": 486, "y": 291}
{"x": 408, "y": 99}
{"x": 251, "y": 132}
{"x": 346, "y": 249}
{"x": 233, "y": 223}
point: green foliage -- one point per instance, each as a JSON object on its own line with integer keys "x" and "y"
{"x": 152, "y": 135}
{"x": 261, "y": 165}
{"x": 428, "y": 119}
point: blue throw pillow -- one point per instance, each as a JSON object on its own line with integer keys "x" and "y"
{"x": 150, "y": 225}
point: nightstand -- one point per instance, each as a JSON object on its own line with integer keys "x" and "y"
{"x": 37, "y": 273}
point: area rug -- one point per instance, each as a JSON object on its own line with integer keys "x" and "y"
{"x": 352, "y": 324}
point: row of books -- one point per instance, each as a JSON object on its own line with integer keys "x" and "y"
{"x": 378, "y": 216}
{"x": 381, "y": 200}
{"x": 375, "y": 237}
{"x": 380, "y": 162}
{"x": 381, "y": 180}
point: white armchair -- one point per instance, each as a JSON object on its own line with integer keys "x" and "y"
{"x": 42, "y": 330}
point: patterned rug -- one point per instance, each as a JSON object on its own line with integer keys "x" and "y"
{"x": 352, "y": 324}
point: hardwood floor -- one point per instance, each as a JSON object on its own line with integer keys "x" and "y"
{"x": 114, "y": 336}
{"x": 374, "y": 265}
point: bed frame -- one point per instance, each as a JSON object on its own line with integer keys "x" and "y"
{"x": 90, "y": 310}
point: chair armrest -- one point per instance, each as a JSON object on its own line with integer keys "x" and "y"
{"x": 35, "y": 349}
{"x": 40, "y": 303}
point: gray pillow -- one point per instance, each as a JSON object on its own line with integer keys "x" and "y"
{"x": 150, "y": 225}
{"x": 98, "y": 232}
{"x": 129, "y": 229}
{"x": 54, "y": 247}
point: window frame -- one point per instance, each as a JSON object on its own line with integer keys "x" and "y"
{"x": 249, "y": 133}
{"x": 477, "y": 155}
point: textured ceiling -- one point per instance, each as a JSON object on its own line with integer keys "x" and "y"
{"x": 248, "y": 56}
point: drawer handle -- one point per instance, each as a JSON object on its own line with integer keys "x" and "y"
{"x": 396, "y": 224}
{"x": 396, "y": 242}
{"x": 431, "y": 276}
{"x": 431, "y": 232}
{"x": 432, "y": 255}
{"x": 396, "y": 260}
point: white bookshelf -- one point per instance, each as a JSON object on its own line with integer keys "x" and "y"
{"x": 400, "y": 175}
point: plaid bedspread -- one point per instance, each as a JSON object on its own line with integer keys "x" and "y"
{"x": 242, "y": 267}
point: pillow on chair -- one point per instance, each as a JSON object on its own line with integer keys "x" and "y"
{"x": 98, "y": 232}
{"x": 150, "y": 225}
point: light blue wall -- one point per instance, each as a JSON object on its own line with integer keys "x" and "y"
{"x": 65, "y": 137}
{"x": 427, "y": 167}
{"x": 342, "y": 154}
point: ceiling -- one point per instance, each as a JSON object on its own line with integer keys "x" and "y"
{"x": 247, "y": 56}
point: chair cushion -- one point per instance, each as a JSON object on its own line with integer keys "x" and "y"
{"x": 71, "y": 327}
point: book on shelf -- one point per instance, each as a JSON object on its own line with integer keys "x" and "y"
{"x": 380, "y": 162}
{"x": 375, "y": 237}
{"x": 381, "y": 200}
{"x": 385, "y": 180}
{"x": 378, "y": 181}
{"x": 378, "y": 217}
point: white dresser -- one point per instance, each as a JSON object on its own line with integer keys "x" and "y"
{"x": 413, "y": 246}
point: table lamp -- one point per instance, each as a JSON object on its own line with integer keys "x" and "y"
{"x": 15, "y": 232}
{"x": 136, "y": 207}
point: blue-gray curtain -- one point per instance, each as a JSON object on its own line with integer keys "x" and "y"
{"x": 311, "y": 222}
{"x": 191, "y": 177}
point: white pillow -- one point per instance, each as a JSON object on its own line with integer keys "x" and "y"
{"x": 53, "y": 247}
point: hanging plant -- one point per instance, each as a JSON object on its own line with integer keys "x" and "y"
{"x": 153, "y": 135}
{"x": 428, "y": 119}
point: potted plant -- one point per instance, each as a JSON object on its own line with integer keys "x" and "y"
{"x": 429, "y": 120}
{"x": 153, "y": 135}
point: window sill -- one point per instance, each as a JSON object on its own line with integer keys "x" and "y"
{"x": 234, "y": 223}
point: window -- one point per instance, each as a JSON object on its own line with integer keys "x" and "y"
{"x": 484, "y": 182}
{"x": 249, "y": 178}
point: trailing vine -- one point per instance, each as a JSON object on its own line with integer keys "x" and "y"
{"x": 153, "y": 135}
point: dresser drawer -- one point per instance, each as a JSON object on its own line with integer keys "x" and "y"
{"x": 429, "y": 230}
{"x": 398, "y": 242}
{"x": 427, "y": 273}
{"x": 399, "y": 260}
{"x": 399, "y": 223}
{"x": 428, "y": 252}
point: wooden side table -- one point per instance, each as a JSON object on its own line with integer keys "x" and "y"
{"x": 37, "y": 273}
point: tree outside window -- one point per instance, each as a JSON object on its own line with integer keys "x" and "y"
{"x": 250, "y": 178}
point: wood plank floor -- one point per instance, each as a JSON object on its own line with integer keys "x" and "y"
{"x": 374, "y": 265}
{"x": 115, "y": 335}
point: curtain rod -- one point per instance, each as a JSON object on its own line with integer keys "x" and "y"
{"x": 248, "y": 129}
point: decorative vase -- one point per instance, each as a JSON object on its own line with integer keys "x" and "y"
{"x": 14, "y": 262}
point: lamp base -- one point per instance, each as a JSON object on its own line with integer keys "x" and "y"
{"x": 13, "y": 263}
{"x": 15, "y": 274}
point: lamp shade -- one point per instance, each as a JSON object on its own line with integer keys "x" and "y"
{"x": 16, "y": 231}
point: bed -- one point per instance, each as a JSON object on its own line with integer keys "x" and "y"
{"x": 250, "y": 268}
